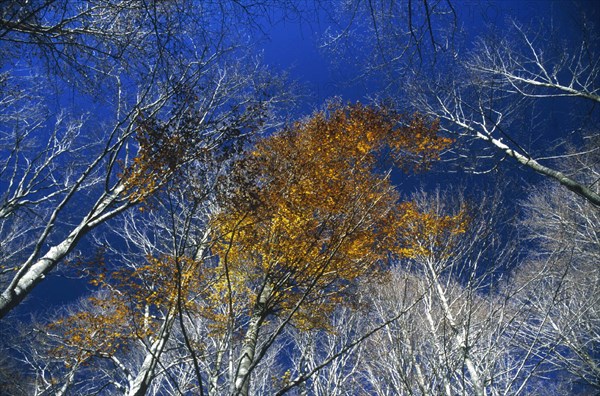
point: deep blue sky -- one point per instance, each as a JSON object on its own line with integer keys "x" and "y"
{"x": 294, "y": 44}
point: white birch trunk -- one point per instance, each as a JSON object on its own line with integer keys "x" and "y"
{"x": 242, "y": 377}
{"x": 213, "y": 379}
{"x": 146, "y": 374}
{"x": 460, "y": 337}
{"x": 33, "y": 272}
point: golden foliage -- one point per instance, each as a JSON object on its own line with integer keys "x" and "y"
{"x": 101, "y": 329}
{"x": 307, "y": 212}
{"x": 433, "y": 232}
{"x": 160, "y": 153}
{"x": 130, "y": 306}
{"x": 312, "y": 210}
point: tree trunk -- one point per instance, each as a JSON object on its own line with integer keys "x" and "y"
{"x": 242, "y": 378}
{"x": 213, "y": 378}
{"x": 31, "y": 274}
{"x": 460, "y": 336}
{"x": 146, "y": 373}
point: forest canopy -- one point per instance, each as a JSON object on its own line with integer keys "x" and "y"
{"x": 182, "y": 213}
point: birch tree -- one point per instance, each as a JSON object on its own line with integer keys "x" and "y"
{"x": 456, "y": 335}
{"x": 127, "y": 337}
{"x": 560, "y": 287}
{"x": 490, "y": 99}
{"x": 165, "y": 89}
{"x": 310, "y": 215}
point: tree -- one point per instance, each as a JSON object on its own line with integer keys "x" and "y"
{"x": 505, "y": 80}
{"x": 309, "y": 214}
{"x": 450, "y": 319}
{"x": 455, "y": 321}
{"x": 532, "y": 331}
{"x": 494, "y": 95}
{"x": 559, "y": 285}
{"x": 451, "y": 337}
{"x": 299, "y": 219}
{"x": 125, "y": 337}
{"x": 177, "y": 90}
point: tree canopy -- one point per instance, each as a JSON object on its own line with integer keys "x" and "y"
{"x": 432, "y": 229}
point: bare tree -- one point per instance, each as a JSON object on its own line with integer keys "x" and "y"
{"x": 560, "y": 287}
{"x": 132, "y": 335}
{"x": 177, "y": 90}
{"x": 440, "y": 324}
{"x": 508, "y": 79}
{"x": 327, "y": 360}
{"x": 457, "y": 335}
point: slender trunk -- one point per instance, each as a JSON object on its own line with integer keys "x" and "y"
{"x": 439, "y": 349}
{"x": 213, "y": 379}
{"x": 146, "y": 373}
{"x": 69, "y": 380}
{"x": 303, "y": 388}
{"x": 12, "y": 296}
{"x": 32, "y": 274}
{"x": 563, "y": 179}
{"x": 420, "y": 380}
{"x": 461, "y": 336}
{"x": 242, "y": 377}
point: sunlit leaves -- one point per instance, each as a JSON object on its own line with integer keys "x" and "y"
{"x": 432, "y": 232}
{"x": 300, "y": 219}
{"x": 130, "y": 306}
{"x": 314, "y": 208}
{"x": 104, "y": 326}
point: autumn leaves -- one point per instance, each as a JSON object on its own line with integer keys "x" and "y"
{"x": 312, "y": 208}
{"x": 302, "y": 217}
{"x": 319, "y": 209}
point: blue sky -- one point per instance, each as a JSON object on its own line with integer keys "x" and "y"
{"x": 296, "y": 45}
